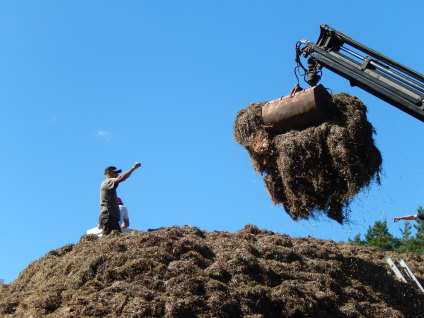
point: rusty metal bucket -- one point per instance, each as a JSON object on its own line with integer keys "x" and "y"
{"x": 299, "y": 110}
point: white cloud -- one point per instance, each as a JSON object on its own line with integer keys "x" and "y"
{"x": 101, "y": 133}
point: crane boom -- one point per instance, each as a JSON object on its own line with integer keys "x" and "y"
{"x": 375, "y": 73}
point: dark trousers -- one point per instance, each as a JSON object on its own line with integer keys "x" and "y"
{"x": 108, "y": 225}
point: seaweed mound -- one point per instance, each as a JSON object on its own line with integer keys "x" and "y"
{"x": 187, "y": 272}
{"x": 318, "y": 169}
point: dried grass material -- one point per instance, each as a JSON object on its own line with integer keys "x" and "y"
{"x": 194, "y": 273}
{"x": 318, "y": 169}
{"x": 249, "y": 122}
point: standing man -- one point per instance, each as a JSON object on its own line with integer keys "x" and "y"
{"x": 109, "y": 208}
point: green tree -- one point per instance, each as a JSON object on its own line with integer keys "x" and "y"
{"x": 410, "y": 243}
{"x": 406, "y": 232}
{"x": 420, "y": 225}
{"x": 413, "y": 246}
{"x": 379, "y": 236}
{"x": 357, "y": 240}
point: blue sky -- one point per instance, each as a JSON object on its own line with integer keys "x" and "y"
{"x": 87, "y": 84}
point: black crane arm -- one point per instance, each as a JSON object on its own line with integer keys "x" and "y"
{"x": 392, "y": 82}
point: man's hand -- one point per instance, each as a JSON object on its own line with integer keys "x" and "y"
{"x": 396, "y": 219}
{"x": 137, "y": 165}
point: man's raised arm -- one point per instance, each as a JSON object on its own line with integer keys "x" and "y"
{"x": 126, "y": 174}
{"x": 406, "y": 217}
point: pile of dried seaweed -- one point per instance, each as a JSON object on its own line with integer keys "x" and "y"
{"x": 318, "y": 169}
{"x": 186, "y": 272}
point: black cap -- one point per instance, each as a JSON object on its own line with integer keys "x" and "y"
{"x": 112, "y": 169}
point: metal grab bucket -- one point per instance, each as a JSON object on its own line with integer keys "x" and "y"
{"x": 299, "y": 110}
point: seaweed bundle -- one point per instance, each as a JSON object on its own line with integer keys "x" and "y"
{"x": 318, "y": 169}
